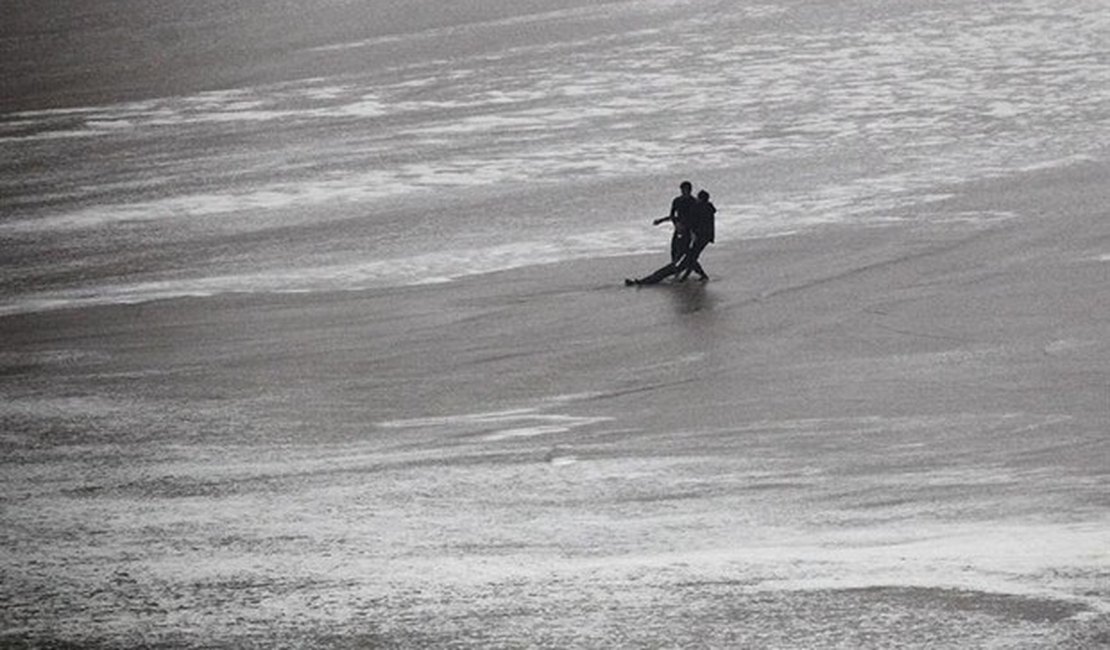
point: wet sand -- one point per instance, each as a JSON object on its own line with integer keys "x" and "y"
{"x": 858, "y": 436}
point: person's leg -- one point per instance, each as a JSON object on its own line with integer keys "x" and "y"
{"x": 678, "y": 244}
{"x": 691, "y": 262}
{"x": 657, "y": 277}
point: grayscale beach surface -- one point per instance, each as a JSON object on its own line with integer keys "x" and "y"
{"x": 874, "y": 437}
{"x": 330, "y": 347}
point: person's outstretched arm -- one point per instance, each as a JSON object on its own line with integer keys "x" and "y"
{"x": 671, "y": 217}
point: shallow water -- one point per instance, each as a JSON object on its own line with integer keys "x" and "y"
{"x": 430, "y": 149}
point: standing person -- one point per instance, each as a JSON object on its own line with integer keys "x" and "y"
{"x": 703, "y": 232}
{"x": 682, "y": 216}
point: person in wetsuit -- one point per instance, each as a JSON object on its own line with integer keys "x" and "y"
{"x": 702, "y": 229}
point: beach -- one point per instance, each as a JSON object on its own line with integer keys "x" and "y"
{"x": 314, "y": 329}
{"x": 884, "y": 435}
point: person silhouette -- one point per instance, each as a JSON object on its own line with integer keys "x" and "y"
{"x": 690, "y": 217}
{"x": 702, "y": 228}
{"x": 682, "y": 216}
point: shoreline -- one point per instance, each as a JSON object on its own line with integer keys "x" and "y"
{"x": 950, "y": 193}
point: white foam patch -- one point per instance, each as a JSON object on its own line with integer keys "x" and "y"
{"x": 1057, "y": 163}
{"x": 449, "y": 420}
{"x": 1065, "y": 346}
{"x": 296, "y": 102}
{"x": 50, "y": 135}
{"x": 514, "y": 423}
{"x": 562, "y": 461}
{"x": 59, "y": 357}
{"x": 991, "y": 557}
{"x": 527, "y": 432}
{"x": 1028, "y": 559}
{"x": 431, "y": 268}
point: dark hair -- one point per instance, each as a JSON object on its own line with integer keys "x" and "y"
{"x": 686, "y": 184}
{"x": 703, "y": 195}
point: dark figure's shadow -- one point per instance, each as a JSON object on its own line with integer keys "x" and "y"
{"x": 691, "y": 297}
